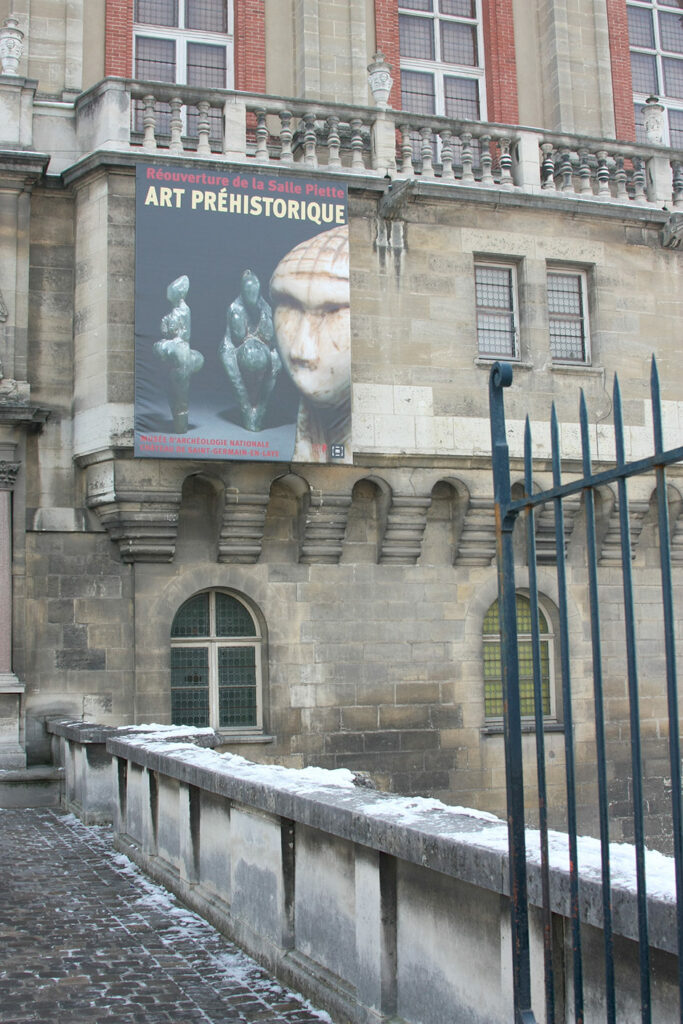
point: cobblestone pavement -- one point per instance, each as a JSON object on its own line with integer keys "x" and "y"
{"x": 85, "y": 937}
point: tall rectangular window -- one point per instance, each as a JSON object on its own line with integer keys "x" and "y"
{"x": 496, "y": 300}
{"x": 442, "y": 67}
{"x": 568, "y": 316}
{"x": 188, "y": 42}
{"x": 655, "y": 31}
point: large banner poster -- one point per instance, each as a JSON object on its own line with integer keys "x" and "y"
{"x": 242, "y": 322}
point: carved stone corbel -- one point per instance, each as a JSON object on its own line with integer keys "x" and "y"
{"x": 244, "y": 517}
{"x": 478, "y": 538}
{"x": 143, "y": 524}
{"x": 672, "y": 232}
{"x": 406, "y": 522}
{"x": 325, "y": 527}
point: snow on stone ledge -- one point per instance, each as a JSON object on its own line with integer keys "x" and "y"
{"x": 469, "y": 825}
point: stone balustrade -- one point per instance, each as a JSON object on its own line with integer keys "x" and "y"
{"x": 173, "y": 120}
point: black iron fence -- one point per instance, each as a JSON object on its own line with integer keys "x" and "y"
{"x": 507, "y": 514}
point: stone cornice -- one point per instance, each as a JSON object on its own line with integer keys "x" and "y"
{"x": 30, "y": 417}
{"x": 20, "y": 167}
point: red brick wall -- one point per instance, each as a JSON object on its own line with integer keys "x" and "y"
{"x": 386, "y": 38}
{"x": 118, "y": 51}
{"x": 500, "y": 62}
{"x": 622, "y": 86}
{"x": 250, "y": 45}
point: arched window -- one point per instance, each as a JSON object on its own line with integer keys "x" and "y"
{"x": 216, "y": 664}
{"x": 493, "y": 678}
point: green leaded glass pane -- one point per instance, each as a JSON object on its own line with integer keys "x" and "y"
{"x": 493, "y": 686}
{"x": 523, "y": 615}
{"x": 236, "y": 687}
{"x": 492, "y": 621}
{"x": 493, "y": 674}
{"x": 232, "y": 618}
{"x": 190, "y": 686}
{"x": 192, "y": 619}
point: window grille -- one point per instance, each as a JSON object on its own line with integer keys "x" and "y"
{"x": 495, "y": 294}
{"x": 567, "y": 316}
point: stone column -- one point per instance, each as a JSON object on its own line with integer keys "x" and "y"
{"x": 12, "y": 754}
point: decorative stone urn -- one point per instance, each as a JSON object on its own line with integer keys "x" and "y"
{"x": 654, "y": 120}
{"x": 11, "y": 45}
{"x": 379, "y": 77}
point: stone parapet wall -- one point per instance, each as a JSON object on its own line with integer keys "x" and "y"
{"x": 379, "y": 908}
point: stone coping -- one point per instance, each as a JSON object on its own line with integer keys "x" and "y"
{"x": 450, "y": 842}
{"x": 87, "y": 733}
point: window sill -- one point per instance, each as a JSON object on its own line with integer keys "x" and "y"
{"x": 497, "y": 728}
{"x": 557, "y": 367}
{"x": 242, "y": 737}
{"x": 488, "y": 361}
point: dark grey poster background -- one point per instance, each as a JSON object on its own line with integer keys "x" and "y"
{"x": 213, "y": 249}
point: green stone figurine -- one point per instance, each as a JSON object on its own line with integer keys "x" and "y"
{"x": 248, "y": 351}
{"x": 174, "y": 351}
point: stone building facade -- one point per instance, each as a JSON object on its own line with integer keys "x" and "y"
{"x": 499, "y": 206}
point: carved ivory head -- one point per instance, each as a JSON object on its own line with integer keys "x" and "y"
{"x": 310, "y": 295}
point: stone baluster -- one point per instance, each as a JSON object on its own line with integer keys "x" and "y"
{"x": 639, "y": 195}
{"x": 261, "y": 152}
{"x": 486, "y": 161}
{"x": 506, "y": 179}
{"x": 677, "y": 172}
{"x": 426, "y": 153}
{"x": 547, "y": 167}
{"x": 602, "y": 175}
{"x": 176, "y": 145}
{"x": 406, "y": 170}
{"x": 585, "y": 185}
{"x": 467, "y": 158}
{"x": 447, "y": 173}
{"x": 566, "y": 170}
{"x": 357, "y": 163}
{"x": 333, "y": 143}
{"x": 149, "y": 122}
{"x": 203, "y": 127}
{"x": 310, "y": 140}
{"x": 286, "y": 155}
{"x": 620, "y": 178}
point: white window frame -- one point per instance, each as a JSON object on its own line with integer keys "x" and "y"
{"x": 440, "y": 69}
{"x": 582, "y": 277}
{"x": 214, "y": 643}
{"x": 494, "y": 638}
{"x": 654, "y": 7}
{"x": 181, "y": 36}
{"x": 512, "y": 268}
